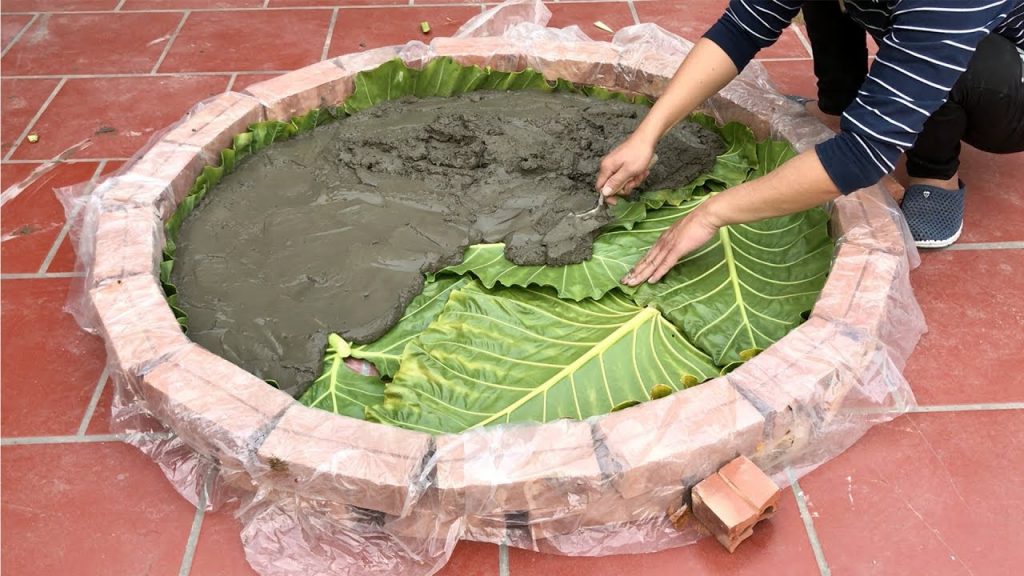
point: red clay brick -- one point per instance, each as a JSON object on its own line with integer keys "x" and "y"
{"x": 730, "y": 502}
{"x": 332, "y": 457}
{"x": 216, "y": 407}
{"x": 675, "y": 441}
{"x": 498, "y": 53}
{"x": 126, "y": 243}
{"x": 139, "y": 326}
{"x": 293, "y": 94}
{"x": 136, "y": 190}
{"x": 213, "y": 123}
{"x": 544, "y": 468}
{"x": 176, "y": 164}
{"x": 591, "y": 63}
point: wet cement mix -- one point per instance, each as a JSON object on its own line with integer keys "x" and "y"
{"x": 333, "y": 231}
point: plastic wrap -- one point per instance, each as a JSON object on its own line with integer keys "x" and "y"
{"x": 324, "y": 494}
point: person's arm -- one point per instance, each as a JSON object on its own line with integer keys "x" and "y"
{"x": 799, "y": 184}
{"x": 744, "y": 28}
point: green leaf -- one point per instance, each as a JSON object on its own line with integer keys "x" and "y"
{"x": 615, "y": 252}
{"x": 746, "y": 288}
{"x": 517, "y": 355}
{"x": 340, "y": 389}
{"x": 386, "y": 353}
{"x": 388, "y": 81}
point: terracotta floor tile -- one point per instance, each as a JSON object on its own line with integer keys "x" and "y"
{"x": 187, "y": 4}
{"x": 91, "y": 44}
{"x": 10, "y": 26}
{"x": 249, "y": 40}
{"x": 343, "y": 3}
{"x": 20, "y": 101}
{"x": 472, "y": 559}
{"x": 995, "y": 205}
{"x": 972, "y": 303}
{"x": 219, "y": 551}
{"x": 89, "y": 510}
{"x": 795, "y": 77}
{"x": 11, "y": 174}
{"x": 243, "y": 81}
{"x": 691, "y": 20}
{"x": 126, "y": 104}
{"x": 361, "y": 28}
{"x": 781, "y": 541}
{"x": 50, "y": 367}
{"x": 32, "y": 221}
{"x": 927, "y": 494}
{"x": 58, "y": 5}
{"x": 615, "y": 14}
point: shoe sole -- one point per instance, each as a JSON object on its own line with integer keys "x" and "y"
{"x": 940, "y": 243}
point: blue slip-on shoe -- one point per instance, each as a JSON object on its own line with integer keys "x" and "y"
{"x": 935, "y": 215}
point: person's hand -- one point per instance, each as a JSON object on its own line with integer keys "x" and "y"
{"x": 624, "y": 168}
{"x": 680, "y": 239}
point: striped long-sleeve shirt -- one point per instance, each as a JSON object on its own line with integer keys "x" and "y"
{"x": 924, "y": 47}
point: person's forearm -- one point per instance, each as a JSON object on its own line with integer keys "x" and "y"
{"x": 704, "y": 71}
{"x": 799, "y": 184}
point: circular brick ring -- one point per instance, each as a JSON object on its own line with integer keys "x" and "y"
{"x": 796, "y": 404}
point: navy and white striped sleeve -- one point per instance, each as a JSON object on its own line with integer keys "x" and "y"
{"x": 927, "y": 48}
{"x": 750, "y": 25}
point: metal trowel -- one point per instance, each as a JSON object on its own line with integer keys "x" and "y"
{"x": 600, "y": 197}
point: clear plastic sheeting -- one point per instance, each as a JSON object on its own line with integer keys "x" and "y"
{"x": 322, "y": 494}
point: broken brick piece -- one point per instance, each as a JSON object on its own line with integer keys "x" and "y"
{"x": 731, "y": 501}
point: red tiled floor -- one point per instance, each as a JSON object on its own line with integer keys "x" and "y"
{"x": 10, "y": 26}
{"x": 243, "y": 81}
{"x": 32, "y": 221}
{"x": 186, "y": 4}
{"x": 929, "y": 494}
{"x": 11, "y": 174}
{"x": 972, "y": 302}
{"x": 472, "y": 559}
{"x": 781, "y": 541}
{"x": 89, "y": 510}
{"x": 20, "y": 101}
{"x": 361, "y": 28}
{"x": 50, "y": 367}
{"x": 248, "y": 40}
{"x": 342, "y": 3}
{"x": 57, "y": 5}
{"x": 795, "y": 77}
{"x": 91, "y": 44}
{"x": 995, "y": 204}
{"x": 219, "y": 550}
{"x": 615, "y": 14}
{"x": 691, "y": 20}
{"x": 84, "y": 105}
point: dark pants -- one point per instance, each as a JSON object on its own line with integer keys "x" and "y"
{"x": 985, "y": 107}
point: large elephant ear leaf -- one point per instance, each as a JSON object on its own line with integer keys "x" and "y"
{"x": 524, "y": 355}
{"x": 340, "y": 389}
{"x": 386, "y": 352}
{"x": 748, "y": 287}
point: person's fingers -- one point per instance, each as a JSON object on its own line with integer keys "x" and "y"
{"x": 609, "y": 166}
{"x": 667, "y": 263}
{"x": 641, "y": 270}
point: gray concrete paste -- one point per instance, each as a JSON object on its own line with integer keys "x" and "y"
{"x": 333, "y": 231}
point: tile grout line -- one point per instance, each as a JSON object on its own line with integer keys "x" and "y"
{"x": 52, "y": 253}
{"x": 67, "y": 160}
{"x": 32, "y": 122}
{"x": 231, "y": 81}
{"x": 141, "y": 75}
{"x": 812, "y": 534}
{"x": 987, "y": 246}
{"x": 170, "y": 42}
{"x": 119, "y": 5}
{"x": 803, "y": 39}
{"x": 940, "y": 408}
{"x": 38, "y": 276}
{"x": 19, "y": 35}
{"x": 632, "y": 10}
{"x": 427, "y": 4}
{"x": 101, "y": 384}
{"x": 197, "y": 527}
{"x": 503, "y": 569}
{"x": 266, "y": 3}
{"x": 330, "y": 34}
